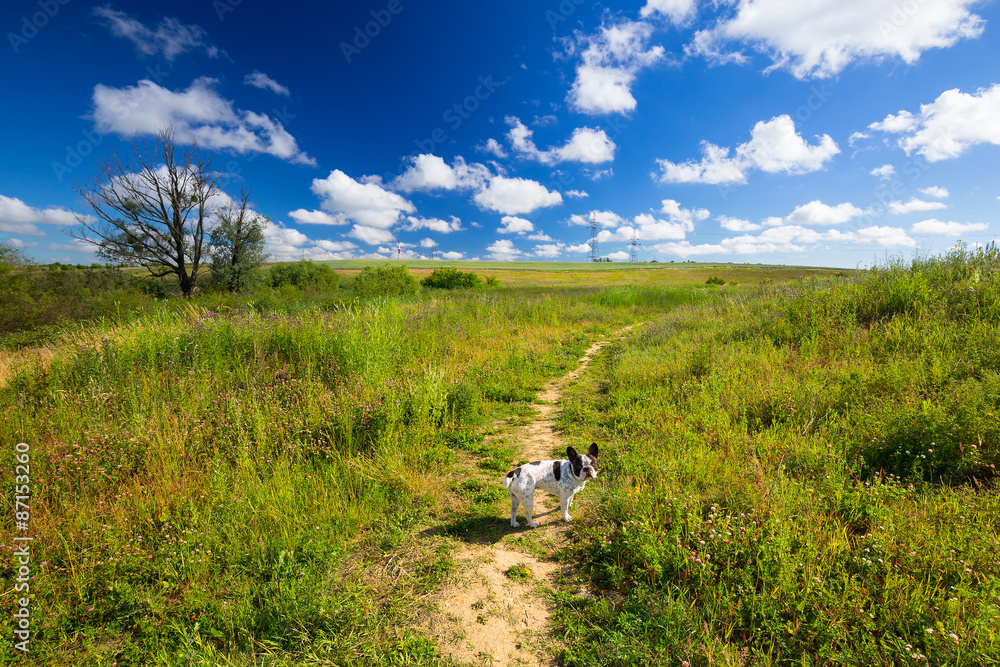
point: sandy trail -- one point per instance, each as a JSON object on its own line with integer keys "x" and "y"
{"x": 493, "y": 615}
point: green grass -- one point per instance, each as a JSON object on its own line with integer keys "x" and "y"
{"x": 799, "y": 475}
{"x": 792, "y": 471}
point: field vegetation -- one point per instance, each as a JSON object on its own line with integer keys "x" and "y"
{"x": 798, "y": 469}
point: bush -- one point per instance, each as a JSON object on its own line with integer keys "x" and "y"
{"x": 385, "y": 280}
{"x": 715, "y": 280}
{"x": 304, "y": 273}
{"x": 452, "y": 278}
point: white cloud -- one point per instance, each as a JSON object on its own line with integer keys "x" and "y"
{"x": 678, "y": 11}
{"x": 430, "y": 172}
{"x": 576, "y": 193}
{"x": 856, "y": 136}
{"x": 493, "y": 146}
{"x": 452, "y": 255}
{"x": 898, "y": 207}
{"x": 171, "y": 37}
{"x": 285, "y": 244}
{"x": 581, "y": 248}
{"x": 933, "y": 226}
{"x": 305, "y": 217}
{"x": 585, "y": 145}
{"x": 371, "y": 235}
{"x": 884, "y": 172}
{"x": 818, "y": 213}
{"x": 936, "y": 192}
{"x": 503, "y": 250}
{"x": 17, "y": 217}
{"x": 549, "y": 249}
{"x": 258, "y": 79}
{"x": 884, "y": 236}
{"x": 610, "y": 61}
{"x": 513, "y": 225}
{"x": 512, "y": 196}
{"x": 737, "y": 224}
{"x": 819, "y": 38}
{"x": 372, "y": 208}
{"x": 949, "y": 125}
{"x": 539, "y": 236}
{"x": 433, "y": 224}
{"x": 774, "y": 147}
{"x": 198, "y": 114}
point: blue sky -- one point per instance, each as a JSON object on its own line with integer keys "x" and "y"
{"x": 815, "y": 132}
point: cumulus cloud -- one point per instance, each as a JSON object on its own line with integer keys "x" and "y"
{"x": 818, "y": 213}
{"x": 373, "y": 209}
{"x": 170, "y": 37}
{"x": 936, "y": 192}
{"x": 305, "y": 217}
{"x": 198, "y": 114}
{"x": 548, "y": 249}
{"x": 493, "y": 147}
{"x": 514, "y": 225}
{"x": 610, "y": 61}
{"x": 774, "y": 147}
{"x": 899, "y": 207}
{"x": 452, "y": 255}
{"x": 819, "y": 38}
{"x": 949, "y": 125}
{"x": 585, "y": 145}
{"x": 680, "y": 12}
{"x": 737, "y": 224}
{"x": 17, "y": 217}
{"x": 885, "y": 172}
{"x": 503, "y": 250}
{"x": 427, "y": 172}
{"x": 933, "y": 226}
{"x": 433, "y": 224}
{"x": 576, "y": 194}
{"x": 512, "y": 196}
{"x": 258, "y": 79}
{"x": 285, "y": 244}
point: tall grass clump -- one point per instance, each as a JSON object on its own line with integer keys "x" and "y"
{"x": 801, "y": 474}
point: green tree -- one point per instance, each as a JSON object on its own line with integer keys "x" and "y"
{"x": 237, "y": 245}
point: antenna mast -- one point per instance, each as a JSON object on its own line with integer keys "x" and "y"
{"x": 594, "y": 251}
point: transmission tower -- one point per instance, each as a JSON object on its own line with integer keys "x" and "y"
{"x": 594, "y": 253}
{"x": 633, "y": 251}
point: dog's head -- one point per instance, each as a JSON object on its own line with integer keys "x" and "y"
{"x": 584, "y": 465}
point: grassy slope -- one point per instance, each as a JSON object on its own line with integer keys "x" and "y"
{"x": 803, "y": 476}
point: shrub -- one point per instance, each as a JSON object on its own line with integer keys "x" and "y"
{"x": 452, "y": 278}
{"x": 305, "y": 273}
{"x": 385, "y": 280}
{"x": 715, "y": 280}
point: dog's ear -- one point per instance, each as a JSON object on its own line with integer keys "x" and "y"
{"x": 592, "y": 452}
{"x": 571, "y": 453}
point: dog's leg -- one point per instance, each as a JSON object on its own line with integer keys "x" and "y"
{"x": 565, "y": 503}
{"x": 513, "y": 511}
{"x": 529, "y": 506}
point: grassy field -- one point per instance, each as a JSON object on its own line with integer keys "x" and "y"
{"x": 794, "y": 471}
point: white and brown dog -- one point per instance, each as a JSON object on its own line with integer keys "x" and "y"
{"x": 560, "y": 478}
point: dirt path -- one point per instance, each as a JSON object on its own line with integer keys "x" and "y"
{"x": 497, "y": 613}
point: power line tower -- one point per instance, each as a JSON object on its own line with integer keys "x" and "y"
{"x": 594, "y": 253}
{"x": 633, "y": 251}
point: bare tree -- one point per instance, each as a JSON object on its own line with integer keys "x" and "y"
{"x": 152, "y": 209}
